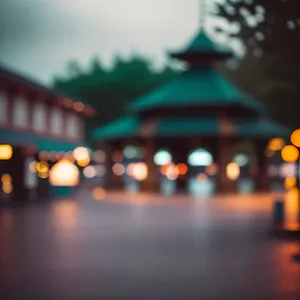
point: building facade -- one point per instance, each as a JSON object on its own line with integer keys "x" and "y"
{"x": 38, "y": 123}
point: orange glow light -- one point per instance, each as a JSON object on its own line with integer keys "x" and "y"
{"x": 182, "y": 169}
{"x": 295, "y": 138}
{"x": 6, "y": 152}
{"x": 163, "y": 169}
{"x": 42, "y": 167}
{"x": 83, "y": 162}
{"x": 290, "y": 154}
{"x": 67, "y": 103}
{"x": 43, "y": 175}
{"x": 6, "y": 178}
{"x": 233, "y": 171}
{"x": 290, "y": 182}
{"x": 78, "y": 106}
{"x": 98, "y": 193}
{"x": 276, "y": 144}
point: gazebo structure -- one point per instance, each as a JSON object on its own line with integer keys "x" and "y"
{"x": 198, "y": 109}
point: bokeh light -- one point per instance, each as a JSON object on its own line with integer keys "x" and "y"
{"x": 200, "y": 157}
{"x": 163, "y": 169}
{"x": 290, "y": 153}
{"x": 42, "y": 167}
{"x": 162, "y": 157}
{"x": 140, "y": 171}
{"x": 172, "y": 172}
{"x": 64, "y": 173}
{"x": 83, "y": 162}
{"x": 32, "y": 167}
{"x": 6, "y": 183}
{"x": 290, "y": 182}
{"x": 78, "y": 106}
{"x": 117, "y": 156}
{"x": 99, "y": 156}
{"x": 118, "y": 169}
{"x": 273, "y": 170}
{"x": 130, "y": 169}
{"x": 182, "y": 169}
{"x": 241, "y": 159}
{"x": 233, "y": 171}
{"x": 43, "y": 175}
{"x": 276, "y": 144}
{"x": 6, "y": 152}
{"x": 287, "y": 170}
{"x": 81, "y": 154}
{"x": 89, "y": 172}
{"x": 212, "y": 169}
{"x": 202, "y": 177}
{"x": 295, "y": 138}
{"x": 98, "y": 193}
{"x": 131, "y": 152}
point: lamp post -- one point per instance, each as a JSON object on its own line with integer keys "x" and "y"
{"x": 295, "y": 139}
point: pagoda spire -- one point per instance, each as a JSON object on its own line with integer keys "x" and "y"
{"x": 202, "y": 13}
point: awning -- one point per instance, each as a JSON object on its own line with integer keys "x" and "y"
{"x": 16, "y": 138}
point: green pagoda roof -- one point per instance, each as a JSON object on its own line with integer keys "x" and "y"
{"x": 201, "y": 44}
{"x": 190, "y": 126}
{"x": 197, "y": 87}
{"x": 127, "y": 126}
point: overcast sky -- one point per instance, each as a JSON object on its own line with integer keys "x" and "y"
{"x": 38, "y": 37}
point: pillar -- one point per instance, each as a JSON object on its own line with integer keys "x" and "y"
{"x": 261, "y": 177}
{"x": 222, "y": 154}
{"x": 180, "y": 155}
{"x": 152, "y": 183}
{"x": 16, "y": 168}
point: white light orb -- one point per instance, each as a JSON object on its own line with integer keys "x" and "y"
{"x": 162, "y": 158}
{"x": 64, "y": 173}
{"x": 81, "y": 154}
{"x": 131, "y": 152}
{"x": 172, "y": 172}
{"x": 89, "y": 172}
{"x": 200, "y": 157}
{"x": 241, "y": 159}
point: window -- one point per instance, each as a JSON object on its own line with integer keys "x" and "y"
{"x": 39, "y": 117}
{"x": 20, "y": 112}
{"x": 56, "y": 122}
{"x": 3, "y": 108}
{"x": 73, "y": 126}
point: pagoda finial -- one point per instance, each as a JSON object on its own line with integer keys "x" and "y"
{"x": 202, "y": 14}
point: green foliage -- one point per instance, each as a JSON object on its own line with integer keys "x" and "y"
{"x": 270, "y": 32}
{"x": 109, "y": 90}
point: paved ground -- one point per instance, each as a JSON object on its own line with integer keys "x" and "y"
{"x": 130, "y": 249}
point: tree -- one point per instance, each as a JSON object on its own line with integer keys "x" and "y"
{"x": 270, "y": 32}
{"x": 108, "y": 91}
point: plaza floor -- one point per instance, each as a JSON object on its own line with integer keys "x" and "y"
{"x": 141, "y": 246}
